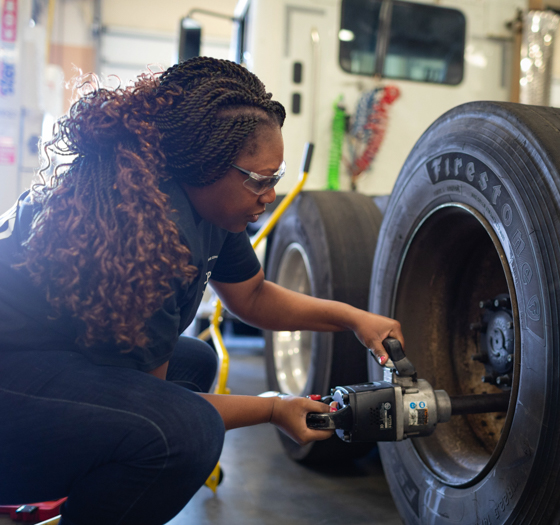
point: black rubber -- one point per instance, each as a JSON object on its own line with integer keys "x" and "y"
{"x": 394, "y": 349}
{"x": 481, "y": 165}
{"x": 338, "y": 232}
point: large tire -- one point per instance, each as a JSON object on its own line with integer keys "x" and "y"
{"x": 323, "y": 246}
{"x": 474, "y": 214}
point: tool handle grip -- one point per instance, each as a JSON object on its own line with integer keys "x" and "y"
{"x": 396, "y": 353}
{"x": 394, "y": 349}
{"x": 322, "y": 421}
{"x": 307, "y": 155}
{"x": 341, "y": 419}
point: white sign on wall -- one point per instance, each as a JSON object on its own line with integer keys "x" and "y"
{"x": 9, "y": 103}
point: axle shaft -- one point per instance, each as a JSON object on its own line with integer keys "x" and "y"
{"x": 479, "y": 403}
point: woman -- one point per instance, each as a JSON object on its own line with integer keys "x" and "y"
{"x": 103, "y": 267}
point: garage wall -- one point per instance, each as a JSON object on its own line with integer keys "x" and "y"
{"x": 164, "y": 15}
{"x": 126, "y": 52}
{"x": 71, "y": 44}
{"x": 137, "y": 33}
{"x": 122, "y": 37}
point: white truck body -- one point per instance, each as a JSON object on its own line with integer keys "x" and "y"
{"x": 278, "y": 33}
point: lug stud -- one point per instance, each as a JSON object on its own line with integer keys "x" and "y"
{"x": 503, "y": 302}
{"x": 503, "y": 380}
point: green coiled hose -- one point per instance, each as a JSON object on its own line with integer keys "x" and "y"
{"x": 337, "y": 141}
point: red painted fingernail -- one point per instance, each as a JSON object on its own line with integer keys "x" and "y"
{"x": 314, "y": 397}
{"x": 383, "y": 359}
{"x": 333, "y": 409}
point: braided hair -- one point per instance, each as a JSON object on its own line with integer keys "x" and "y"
{"x": 217, "y": 105}
{"x": 103, "y": 245}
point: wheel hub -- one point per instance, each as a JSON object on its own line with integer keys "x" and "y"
{"x": 496, "y": 340}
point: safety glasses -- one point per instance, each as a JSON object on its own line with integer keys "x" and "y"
{"x": 260, "y": 184}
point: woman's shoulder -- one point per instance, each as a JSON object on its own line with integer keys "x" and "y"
{"x": 15, "y": 225}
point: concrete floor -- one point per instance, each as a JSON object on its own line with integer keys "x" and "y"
{"x": 262, "y": 486}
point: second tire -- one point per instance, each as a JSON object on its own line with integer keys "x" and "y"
{"x": 323, "y": 246}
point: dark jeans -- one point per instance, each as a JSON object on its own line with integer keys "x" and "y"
{"x": 124, "y": 446}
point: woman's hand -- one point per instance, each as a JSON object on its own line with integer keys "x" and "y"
{"x": 372, "y": 330}
{"x": 289, "y": 415}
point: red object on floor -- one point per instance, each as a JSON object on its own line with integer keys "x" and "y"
{"x": 33, "y": 512}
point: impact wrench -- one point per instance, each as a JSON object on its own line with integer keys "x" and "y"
{"x": 400, "y": 407}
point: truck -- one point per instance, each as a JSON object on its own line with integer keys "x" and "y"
{"x": 453, "y": 229}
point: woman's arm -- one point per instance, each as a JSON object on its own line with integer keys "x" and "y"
{"x": 266, "y": 305}
{"x": 287, "y": 413}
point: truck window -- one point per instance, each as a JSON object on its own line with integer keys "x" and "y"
{"x": 425, "y": 43}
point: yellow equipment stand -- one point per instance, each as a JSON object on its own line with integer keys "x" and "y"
{"x": 213, "y": 331}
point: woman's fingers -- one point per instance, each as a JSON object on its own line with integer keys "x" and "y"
{"x": 290, "y": 415}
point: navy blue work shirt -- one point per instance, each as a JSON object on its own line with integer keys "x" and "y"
{"x": 27, "y": 320}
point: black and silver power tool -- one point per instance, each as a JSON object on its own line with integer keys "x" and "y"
{"x": 400, "y": 407}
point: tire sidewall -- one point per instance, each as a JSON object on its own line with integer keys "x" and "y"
{"x": 494, "y": 193}
{"x": 292, "y": 229}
